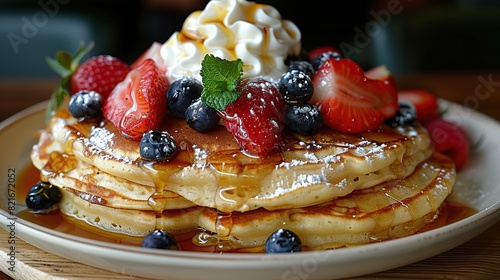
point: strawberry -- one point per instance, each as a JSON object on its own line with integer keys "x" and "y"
{"x": 381, "y": 73}
{"x": 319, "y": 55}
{"x": 252, "y": 109}
{"x": 256, "y": 118}
{"x": 425, "y": 103}
{"x": 450, "y": 139}
{"x": 99, "y": 73}
{"x": 348, "y": 100}
{"x": 138, "y": 103}
{"x": 152, "y": 52}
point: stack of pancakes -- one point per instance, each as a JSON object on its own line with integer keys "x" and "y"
{"x": 332, "y": 189}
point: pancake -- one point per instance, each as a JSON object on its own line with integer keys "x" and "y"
{"x": 130, "y": 222}
{"x": 388, "y": 210}
{"x": 211, "y": 171}
{"x": 81, "y": 178}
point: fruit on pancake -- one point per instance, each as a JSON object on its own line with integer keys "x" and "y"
{"x": 348, "y": 100}
{"x": 424, "y": 101}
{"x": 99, "y": 73}
{"x": 181, "y": 93}
{"x": 296, "y": 86}
{"x": 42, "y": 197}
{"x": 86, "y": 105}
{"x": 252, "y": 109}
{"x": 302, "y": 65}
{"x": 157, "y": 145}
{"x": 138, "y": 103}
{"x": 450, "y": 139}
{"x": 201, "y": 117}
{"x": 283, "y": 241}
{"x": 381, "y": 73}
{"x": 406, "y": 115}
{"x": 319, "y": 55}
{"x": 160, "y": 239}
{"x": 304, "y": 119}
{"x": 153, "y": 52}
{"x": 256, "y": 118}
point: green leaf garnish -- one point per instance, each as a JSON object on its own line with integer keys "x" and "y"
{"x": 220, "y": 78}
{"x": 64, "y": 64}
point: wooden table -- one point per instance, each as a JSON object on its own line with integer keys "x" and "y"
{"x": 479, "y": 258}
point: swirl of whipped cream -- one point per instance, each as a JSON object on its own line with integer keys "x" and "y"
{"x": 232, "y": 29}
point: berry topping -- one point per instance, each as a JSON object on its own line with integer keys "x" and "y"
{"x": 181, "y": 93}
{"x": 201, "y": 117}
{"x": 157, "y": 145}
{"x": 450, "y": 139}
{"x": 406, "y": 115}
{"x": 138, "y": 103}
{"x": 160, "y": 239}
{"x": 85, "y": 105}
{"x": 283, "y": 241}
{"x": 348, "y": 100}
{"x": 153, "y": 52}
{"x": 302, "y": 65}
{"x": 296, "y": 87}
{"x": 319, "y": 55}
{"x": 252, "y": 109}
{"x": 256, "y": 118}
{"x": 424, "y": 101}
{"x": 99, "y": 73}
{"x": 43, "y": 197}
{"x": 304, "y": 119}
{"x": 381, "y": 73}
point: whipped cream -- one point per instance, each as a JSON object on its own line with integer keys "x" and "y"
{"x": 231, "y": 29}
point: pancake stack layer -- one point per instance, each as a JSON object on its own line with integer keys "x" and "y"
{"x": 332, "y": 189}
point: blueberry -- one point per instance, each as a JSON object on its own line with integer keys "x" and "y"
{"x": 406, "y": 115}
{"x": 302, "y": 65}
{"x": 42, "y": 197}
{"x": 296, "y": 87}
{"x": 85, "y": 105}
{"x": 201, "y": 117}
{"x": 157, "y": 145}
{"x": 283, "y": 241}
{"x": 181, "y": 93}
{"x": 320, "y": 59}
{"x": 304, "y": 119}
{"x": 160, "y": 239}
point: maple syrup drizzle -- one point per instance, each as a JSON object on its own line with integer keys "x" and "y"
{"x": 160, "y": 173}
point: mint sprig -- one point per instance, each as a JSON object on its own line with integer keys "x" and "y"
{"x": 64, "y": 64}
{"x": 220, "y": 78}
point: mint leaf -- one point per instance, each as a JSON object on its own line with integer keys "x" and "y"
{"x": 220, "y": 78}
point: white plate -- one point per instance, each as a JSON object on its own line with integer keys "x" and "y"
{"x": 477, "y": 186}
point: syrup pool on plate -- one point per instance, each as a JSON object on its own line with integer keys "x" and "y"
{"x": 450, "y": 212}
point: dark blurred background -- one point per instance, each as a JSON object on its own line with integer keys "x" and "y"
{"x": 408, "y": 36}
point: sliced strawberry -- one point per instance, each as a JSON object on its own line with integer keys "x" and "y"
{"x": 99, "y": 73}
{"x": 450, "y": 139}
{"x": 152, "y": 52}
{"x": 138, "y": 103}
{"x": 256, "y": 118}
{"x": 349, "y": 101}
{"x": 424, "y": 101}
{"x": 381, "y": 73}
